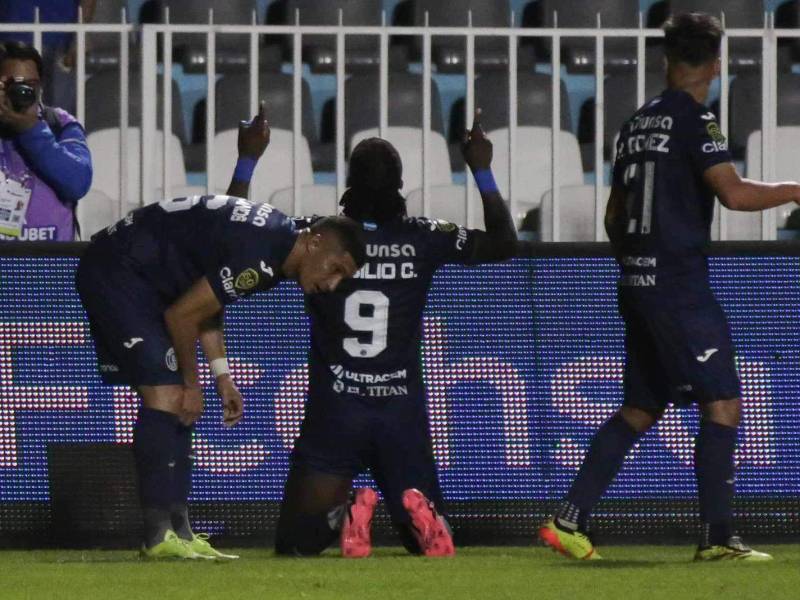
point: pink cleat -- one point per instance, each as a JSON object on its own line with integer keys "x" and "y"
{"x": 430, "y": 528}
{"x": 356, "y": 535}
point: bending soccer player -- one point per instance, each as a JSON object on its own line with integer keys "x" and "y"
{"x": 156, "y": 283}
{"x": 366, "y": 406}
{"x": 671, "y": 161}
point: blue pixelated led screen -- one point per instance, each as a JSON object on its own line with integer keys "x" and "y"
{"x": 522, "y": 362}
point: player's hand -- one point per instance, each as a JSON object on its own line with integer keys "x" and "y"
{"x": 477, "y": 149}
{"x": 191, "y": 405}
{"x": 232, "y": 403}
{"x": 13, "y": 120}
{"x": 254, "y": 135}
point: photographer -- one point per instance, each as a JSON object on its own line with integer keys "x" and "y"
{"x": 45, "y": 166}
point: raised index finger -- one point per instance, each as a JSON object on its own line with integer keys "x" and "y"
{"x": 476, "y": 123}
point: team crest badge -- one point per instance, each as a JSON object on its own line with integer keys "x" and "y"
{"x": 445, "y": 226}
{"x": 171, "y": 360}
{"x": 715, "y": 133}
{"x": 246, "y": 280}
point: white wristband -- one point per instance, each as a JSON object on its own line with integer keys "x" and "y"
{"x": 219, "y": 367}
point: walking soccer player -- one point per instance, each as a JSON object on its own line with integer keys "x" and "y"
{"x": 156, "y": 283}
{"x": 671, "y": 161}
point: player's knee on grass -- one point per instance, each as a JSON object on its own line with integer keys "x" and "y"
{"x": 407, "y": 538}
{"x": 638, "y": 419}
{"x": 304, "y": 534}
{"x": 723, "y": 412}
{"x": 311, "y": 512}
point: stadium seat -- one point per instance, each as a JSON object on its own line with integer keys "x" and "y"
{"x": 408, "y": 141}
{"x": 744, "y": 53}
{"x": 314, "y": 200}
{"x": 96, "y": 211}
{"x": 232, "y": 50}
{"x": 449, "y": 53}
{"x": 447, "y": 202}
{"x": 787, "y": 167}
{"x": 578, "y": 53}
{"x": 534, "y": 101}
{"x": 534, "y": 105}
{"x": 745, "y": 106}
{"x": 104, "y": 146}
{"x": 533, "y": 163}
{"x": 102, "y": 49}
{"x": 362, "y": 100}
{"x": 787, "y": 16}
{"x": 620, "y": 104}
{"x": 741, "y": 226}
{"x": 319, "y": 51}
{"x": 276, "y": 89}
{"x": 274, "y": 169}
{"x": 577, "y": 210}
{"x": 102, "y": 102}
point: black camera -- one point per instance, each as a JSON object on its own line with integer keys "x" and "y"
{"x": 21, "y": 95}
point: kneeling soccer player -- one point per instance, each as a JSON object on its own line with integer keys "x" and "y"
{"x": 366, "y": 408}
{"x": 156, "y": 283}
{"x": 671, "y": 162}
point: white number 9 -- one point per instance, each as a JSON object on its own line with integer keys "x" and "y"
{"x": 377, "y": 324}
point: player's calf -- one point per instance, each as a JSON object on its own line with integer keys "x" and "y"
{"x": 356, "y": 535}
{"x": 429, "y": 528}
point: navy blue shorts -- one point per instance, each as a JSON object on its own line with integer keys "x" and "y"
{"x": 392, "y": 440}
{"x": 678, "y": 355}
{"x": 126, "y": 318}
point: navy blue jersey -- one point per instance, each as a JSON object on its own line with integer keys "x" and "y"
{"x": 662, "y": 153}
{"x": 365, "y": 336}
{"x": 237, "y": 245}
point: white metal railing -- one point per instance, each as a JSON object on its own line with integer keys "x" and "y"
{"x": 149, "y": 35}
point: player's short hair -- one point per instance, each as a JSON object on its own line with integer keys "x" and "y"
{"x": 692, "y": 38}
{"x": 349, "y": 233}
{"x": 14, "y": 50}
{"x": 374, "y": 179}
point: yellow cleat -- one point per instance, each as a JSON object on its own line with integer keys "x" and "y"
{"x": 572, "y": 544}
{"x": 171, "y": 548}
{"x": 735, "y": 549}
{"x": 199, "y": 544}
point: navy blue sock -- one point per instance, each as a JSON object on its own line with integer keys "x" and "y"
{"x": 713, "y": 466}
{"x": 153, "y": 448}
{"x": 181, "y": 482}
{"x": 610, "y": 445}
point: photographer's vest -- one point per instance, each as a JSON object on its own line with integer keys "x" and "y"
{"x": 47, "y": 217}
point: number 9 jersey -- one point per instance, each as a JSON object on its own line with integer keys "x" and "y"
{"x": 365, "y": 336}
{"x": 661, "y": 155}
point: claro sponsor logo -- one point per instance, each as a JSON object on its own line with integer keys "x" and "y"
{"x": 461, "y": 239}
{"x": 227, "y": 283}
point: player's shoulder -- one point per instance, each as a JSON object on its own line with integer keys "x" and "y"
{"x": 424, "y": 225}
{"x": 685, "y": 108}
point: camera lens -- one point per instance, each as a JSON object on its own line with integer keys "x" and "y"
{"x": 21, "y": 96}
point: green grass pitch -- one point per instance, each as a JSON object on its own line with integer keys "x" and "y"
{"x": 628, "y": 573}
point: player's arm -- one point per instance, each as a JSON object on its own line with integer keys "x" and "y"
{"x": 212, "y": 340}
{"x": 738, "y": 193}
{"x": 615, "y": 214}
{"x": 183, "y": 320}
{"x": 500, "y": 240}
{"x": 253, "y": 140}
